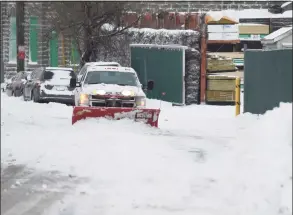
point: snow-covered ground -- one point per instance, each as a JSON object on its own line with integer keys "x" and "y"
{"x": 202, "y": 160}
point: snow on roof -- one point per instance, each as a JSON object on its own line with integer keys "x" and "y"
{"x": 174, "y": 46}
{"x": 286, "y": 4}
{"x": 109, "y": 68}
{"x": 102, "y": 63}
{"x": 256, "y": 24}
{"x": 166, "y": 31}
{"x": 221, "y": 75}
{"x": 276, "y": 34}
{"x": 287, "y": 14}
{"x": 58, "y": 68}
{"x": 248, "y": 13}
{"x": 287, "y": 45}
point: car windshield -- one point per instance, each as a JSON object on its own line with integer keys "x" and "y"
{"x": 110, "y": 77}
{"x": 59, "y": 77}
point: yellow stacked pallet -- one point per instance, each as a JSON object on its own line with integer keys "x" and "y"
{"x": 220, "y": 90}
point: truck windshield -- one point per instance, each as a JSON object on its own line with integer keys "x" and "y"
{"x": 110, "y": 77}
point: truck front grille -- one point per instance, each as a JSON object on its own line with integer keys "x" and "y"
{"x": 105, "y": 97}
{"x": 117, "y": 104}
{"x": 101, "y": 101}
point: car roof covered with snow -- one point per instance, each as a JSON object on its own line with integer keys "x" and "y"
{"x": 110, "y": 68}
{"x": 101, "y": 63}
{"x": 58, "y": 68}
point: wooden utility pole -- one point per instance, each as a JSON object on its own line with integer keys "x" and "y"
{"x": 1, "y": 53}
{"x": 20, "y": 35}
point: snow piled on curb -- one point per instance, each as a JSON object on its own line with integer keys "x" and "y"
{"x": 220, "y": 165}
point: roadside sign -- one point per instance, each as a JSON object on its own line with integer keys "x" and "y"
{"x": 21, "y": 52}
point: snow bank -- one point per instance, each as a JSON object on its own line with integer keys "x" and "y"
{"x": 248, "y": 13}
{"x": 220, "y": 165}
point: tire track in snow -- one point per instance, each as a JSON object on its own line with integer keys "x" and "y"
{"x": 27, "y": 192}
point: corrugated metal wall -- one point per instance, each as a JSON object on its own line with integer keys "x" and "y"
{"x": 268, "y": 79}
{"x": 165, "y": 67}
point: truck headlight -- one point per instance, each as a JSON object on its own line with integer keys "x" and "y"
{"x": 84, "y": 99}
{"x": 140, "y": 101}
{"x": 127, "y": 93}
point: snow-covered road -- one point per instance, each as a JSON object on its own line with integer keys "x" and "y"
{"x": 202, "y": 160}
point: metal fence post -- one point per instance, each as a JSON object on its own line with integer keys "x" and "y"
{"x": 237, "y": 96}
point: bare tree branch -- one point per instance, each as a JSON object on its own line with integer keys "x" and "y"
{"x": 85, "y": 23}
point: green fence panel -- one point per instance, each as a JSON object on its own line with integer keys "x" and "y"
{"x": 12, "y": 40}
{"x": 165, "y": 67}
{"x": 33, "y": 39}
{"x": 267, "y": 79}
{"x": 54, "y": 50}
{"x": 74, "y": 58}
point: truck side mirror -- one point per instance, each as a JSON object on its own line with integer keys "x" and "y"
{"x": 150, "y": 85}
{"x": 72, "y": 82}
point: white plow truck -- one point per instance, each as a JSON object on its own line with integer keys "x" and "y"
{"x": 107, "y": 91}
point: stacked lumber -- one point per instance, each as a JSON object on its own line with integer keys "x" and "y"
{"x": 247, "y": 28}
{"x": 252, "y": 31}
{"x": 220, "y": 90}
{"x": 237, "y": 57}
{"x": 218, "y": 63}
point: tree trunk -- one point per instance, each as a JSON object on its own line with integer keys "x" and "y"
{"x": 88, "y": 36}
{"x": 86, "y": 57}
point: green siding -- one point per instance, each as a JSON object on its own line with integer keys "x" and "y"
{"x": 75, "y": 58}
{"x": 33, "y": 39}
{"x": 267, "y": 79}
{"x": 54, "y": 50}
{"x": 164, "y": 67}
{"x": 12, "y": 40}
